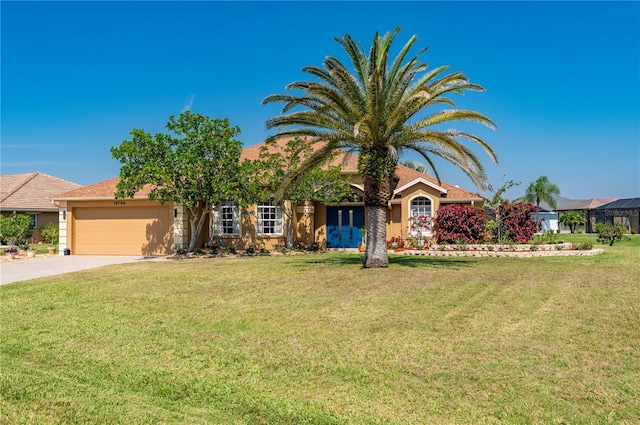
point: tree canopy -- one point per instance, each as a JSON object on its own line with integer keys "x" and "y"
{"x": 322, "y": 184}
{"x": 542, "y": 190}
{"x": 197, "y": 165}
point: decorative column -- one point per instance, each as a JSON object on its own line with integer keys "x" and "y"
{"x": 62, "y": 227}
{"x": 180, "y": 227}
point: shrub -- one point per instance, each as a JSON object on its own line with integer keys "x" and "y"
{"x": 16, "y": 229}
{"x": 457, "y": 222}
{"x": 583, "y": 246}
{"x": 518, "y": 220}
{"x": 611, "y": 233}
{"x": 312, "y": 247}
{"x": 181, "y": 251}
{"x": 50, "y": 233}
{"x": 250, "y": 250}
{"x": 548, "y": 238}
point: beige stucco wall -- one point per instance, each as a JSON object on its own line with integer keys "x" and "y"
{"x": 249, "y": 238}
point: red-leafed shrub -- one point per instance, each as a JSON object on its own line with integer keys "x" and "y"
{"x": 518, "y": 219}
{"x": 455, "y": 223}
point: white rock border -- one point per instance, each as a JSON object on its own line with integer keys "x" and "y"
{"x": 519, "y": 254}
{"x": 454, "y": 251}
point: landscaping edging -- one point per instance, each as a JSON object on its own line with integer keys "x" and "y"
{"x": 520, "y": 254}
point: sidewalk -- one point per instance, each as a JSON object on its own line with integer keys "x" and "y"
{"x": 51, "y": 265}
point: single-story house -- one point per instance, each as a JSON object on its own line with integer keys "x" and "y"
{"x": 590, "y": 209}
{"x": 32, "y": 194}
{"x": 92, "y": 221}
{"x": 625, "y": 211}
{"x": 548, "y": 216}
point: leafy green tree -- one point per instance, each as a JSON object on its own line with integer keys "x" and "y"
{"x": 542, "y": 190}
{"x": 16, "y": 229}
{"x": 197, "y": 166}
{"x": 320, "y": 184}
{"x": 572, "y": 219}
{"x": 375, "y": 111}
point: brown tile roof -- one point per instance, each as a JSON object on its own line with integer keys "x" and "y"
{"x": 31, "y": 191}
{"x": 101, "y": 190}
{"x": 348, "y": 161}
{"x": 587, "y": 204}
{"x": 408, "y": 175}
{"x": 349, "y": 164}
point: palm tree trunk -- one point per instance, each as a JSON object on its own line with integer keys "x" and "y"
{"x": 376, "y": 253}
{"x": 377, "y": 193}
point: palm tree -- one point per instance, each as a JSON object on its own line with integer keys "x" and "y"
{"x": 542, "y": 190}
{"x": 572, "y": 219}
{"x": 374, "y": 112}
{"x": 418, "y": 166}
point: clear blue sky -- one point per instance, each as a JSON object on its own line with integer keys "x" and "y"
{"x": 562, "y": 79}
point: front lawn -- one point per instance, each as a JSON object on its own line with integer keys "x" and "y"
{"x": 316, "y": 339}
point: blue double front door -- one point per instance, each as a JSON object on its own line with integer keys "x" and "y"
{"x": 343, "y": 226}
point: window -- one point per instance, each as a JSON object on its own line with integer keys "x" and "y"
{"x": 420, "y": 207}
{"x": 34, "y": 220}
{"x": 269, "y": 218}
{"x": 226, "y": 219}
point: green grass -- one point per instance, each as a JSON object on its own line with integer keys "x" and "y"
{"x": 315, "y": 339}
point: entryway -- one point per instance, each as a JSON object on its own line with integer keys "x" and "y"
{"x": 343, "y": 226}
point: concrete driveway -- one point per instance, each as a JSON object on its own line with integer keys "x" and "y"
{"x": 45, "y": 265}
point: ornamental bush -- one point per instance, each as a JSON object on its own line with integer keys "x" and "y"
{"x": 611, "y": 233}
{"x": 50, "y": 233}
{"x": 518, "y": 220}
{"x": 459, "y": 223}
{"x": 15, "y": 229}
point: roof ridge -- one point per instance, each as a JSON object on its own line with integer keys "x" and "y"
{"x": 27, "y": 180}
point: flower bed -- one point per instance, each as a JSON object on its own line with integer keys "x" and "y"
{"x": 500, "y": 250}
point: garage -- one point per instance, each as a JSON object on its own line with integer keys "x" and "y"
{"x": 122, "y": 230}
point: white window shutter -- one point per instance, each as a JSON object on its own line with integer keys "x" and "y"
{"x": 236, "y": 220}
{"x": 216, "y": 220}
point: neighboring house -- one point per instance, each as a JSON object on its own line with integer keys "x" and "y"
{"x": 625, "y": 211}
{"x": 590, "y": 209}
{"x": 96, "y": 223}
{"x": 32, "y": 194}
{"x": 549, "y": 217}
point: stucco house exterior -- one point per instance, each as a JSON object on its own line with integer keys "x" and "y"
{"x": 590, "y": 209}
{"x": 92, "y": 221}
{"x": 625, "y": 211}
{"x": 32, "y": 194}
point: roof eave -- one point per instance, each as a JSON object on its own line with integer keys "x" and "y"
{"x": 420, "y": 180}
{"x": 456, "y": 200}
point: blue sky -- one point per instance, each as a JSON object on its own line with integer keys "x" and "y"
{"x": 562, "y": 79}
